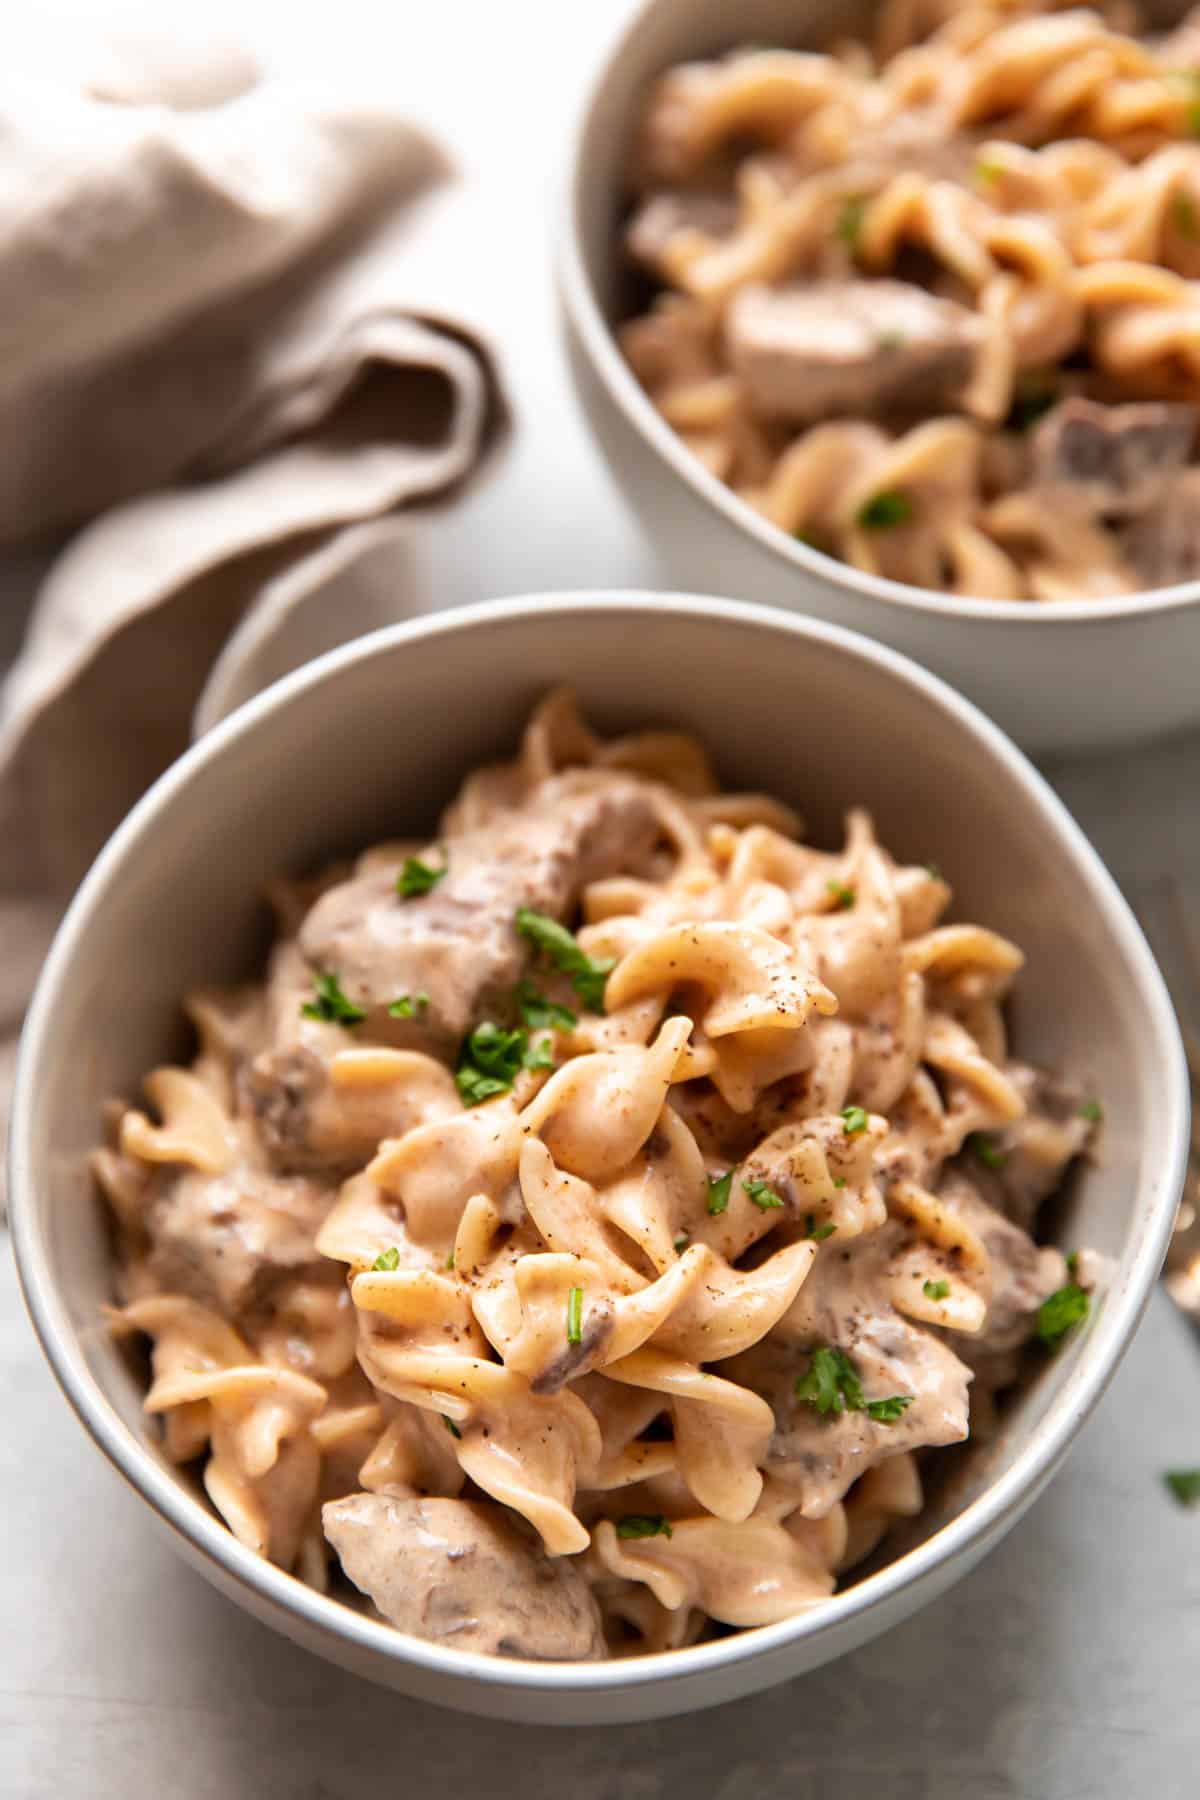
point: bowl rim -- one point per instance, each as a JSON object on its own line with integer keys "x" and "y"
{"x": 976, "y": 1526}
{"x": 583, "y": 311}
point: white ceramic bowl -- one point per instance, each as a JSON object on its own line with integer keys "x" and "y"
{"x": 370, "y": 741}
{"x": 1075, "y": 675}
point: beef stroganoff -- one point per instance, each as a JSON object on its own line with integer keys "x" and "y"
{"x": 930, "y": 304}
{"x": 582, "y": 1227}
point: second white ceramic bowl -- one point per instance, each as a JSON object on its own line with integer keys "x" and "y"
{"x": 369, "y": 742}
{"x": 1080, "y": 674}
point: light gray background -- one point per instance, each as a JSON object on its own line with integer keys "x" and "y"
{"x": 1067, "y": 1667}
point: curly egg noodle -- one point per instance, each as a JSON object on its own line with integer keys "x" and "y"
{"x": 877, "y": 266}
{"x": 646, "y": 1337}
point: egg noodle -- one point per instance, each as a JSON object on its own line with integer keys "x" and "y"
{"x": 878, "y": 265}
{"x": 674, "y": 1235}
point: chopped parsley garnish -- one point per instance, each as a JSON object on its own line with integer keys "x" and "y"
{"x": 854, "y": 1119}
{"x": 886, "y": 1412}
{"x": 451, "y": 1427}
{"x": 575, "y": 1316}
{"x": 541, "y": 1014}
{"x": 1073, "y": 1264}
{"x": 818, "y": 1233}
{"x": 588, "y": 973}
{"x": 408, "y": 1006}
{"x": 763, "y": 1195}
{"x": 989, "y": 1154}
{"x": 884, "y": 510}
{"x": 450, "y": 1260}
{"x": 1060, "y": 1313}
{"x": 1092, "y": 1111}
{"x": 1029, "y": 406}
{"x": 987, "y": 171}
{"x": 681, "y": 1244}
{"x": 331, "y": 1005}
{"x": 1183, "y": 216}
{"x": 832, "y": 1386}
{"x": 539, "y": 1055}
{"x": 387, "y": 1260}
{"x": 417, "y": 877}
{"x": 935, "y": 1290}
{"x": 718, "y": 1192}
{"x": 844, "y": 897}
{"x": 1185, "y": 1485}
{"x": 933, "y": 872}
{"x": 643, "y": 1525}
{"x": 850, "y": 219}
{"x": 489, "y": 1062}
{"x": 839, "y": 1181}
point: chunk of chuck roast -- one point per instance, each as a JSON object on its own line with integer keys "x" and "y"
{"x": 1162, "y": 547}
{"x": 459, "y": 944}
{"x": 859, "y": 347}
{"x": 1113, "y": 460}
{"x": 222, "y": 1238}
{"x": 458, "y": 1573}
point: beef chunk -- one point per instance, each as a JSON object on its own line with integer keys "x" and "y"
{"x": 457, "y": 1572}
{"x": 458, "y": 943}
{"x": 858, "y": 347}
{"x": 1162, "y": 547}
{"x": 663, "y": 216}
{"x": 1115, "y": 460}
{"x": 221, "y": 1238}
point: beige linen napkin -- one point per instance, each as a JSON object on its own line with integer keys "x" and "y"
{"x": 229, "y": 315}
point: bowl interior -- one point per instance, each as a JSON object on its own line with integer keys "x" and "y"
{"x": 372, "y": 742}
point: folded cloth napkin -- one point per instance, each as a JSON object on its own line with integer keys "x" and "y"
{"x": 229, "y": 331}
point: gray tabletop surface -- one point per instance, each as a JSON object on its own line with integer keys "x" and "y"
{"x": 1066, "y": 1667}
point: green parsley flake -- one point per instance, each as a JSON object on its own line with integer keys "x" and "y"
{"x": 718, "y": 1192}
{"x": 1188, "y": 83}
{"x": 1073, "y": 1263}
{"x": 451, "y": 1427}
{"x": 832, "y": 1386}
{"x": 417, "y": 877}
{"x": 387, "y": 1260}
{"x": 818, "y": 1233}
{"x": 988, "y": 1153}
{"x": 588, "y": 974}
{"x": 1092, "y": 1111}
{"x": 542, "y": 1014}
{"x": 681, "y": 1244}
{"x": 763, "y": 1195}
{"x": 886, "y": 509}
{"x": 331, "y": 1005}
{"x": 408, "y": 1006}
{"x": 886, "y": 1412}
{"x": 843, "y": 897}
{"x": 987, "y": 171}
{"x": 489, "y": 1062}
{"x": 540, "y": 1055}
{"x": 575, "y": 1316}
{"x": 643, "y": 1525}
{"x": 1185, "y": 1485}
{"x": 850, "y": 220}
{"x": 1060, "y": 1313}
{"x": 935, "y": 1290}
{"x": 855, "y": 1119}
{"x": 933, "y": 872}
{"x": 839, "y": 1181}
